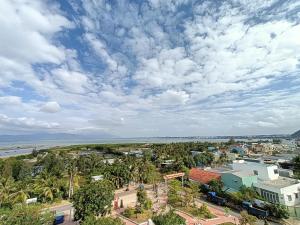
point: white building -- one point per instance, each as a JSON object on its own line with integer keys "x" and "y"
{"x": 263, "y": 171}
{"x": 270, "y": 185}
{"x": 284, "y": 190}
{"x": 97, "y": 178}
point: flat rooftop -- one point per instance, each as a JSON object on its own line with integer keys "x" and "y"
{"x": 219, "y": 169}
{"x": 281, "y": 182}
{"x": 243, "y": 174}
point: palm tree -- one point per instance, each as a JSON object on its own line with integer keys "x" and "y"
{"x": 9, "y": 193}
{"x": 72, "y": 173}
{"x": 47, "y": 186}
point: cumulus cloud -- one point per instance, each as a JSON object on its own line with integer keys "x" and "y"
{"x": 70, "y": 80}
{"x": 10, "y": 100}
{"x": 50, "y": 107}
{"x": 25, "y": 122}
{"x": 31, "y": 23}
{"x": 167, "y": 67}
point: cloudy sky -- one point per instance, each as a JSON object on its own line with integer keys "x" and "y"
{"x": 150, "y": 68}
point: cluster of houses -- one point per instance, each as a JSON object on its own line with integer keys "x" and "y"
{"x": 275, "y": 185}
{"x": 267, "y": 148}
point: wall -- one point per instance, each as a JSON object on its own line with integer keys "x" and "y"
{"x": 231, "y": 181}
{"x": 248, "y": 181}
{"x": 283, "y": 193}
{"x": 291, "y": 190}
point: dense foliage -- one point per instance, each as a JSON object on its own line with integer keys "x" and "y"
{"x": 279, "y": 211}
{"x": 182, "y": 196}
{"x": 26, "y": 215}
{"x": 143, "y": 202}
{"x": 92, "y": 220}
{"x": 247, "y": 219}
{"x": 93, "y": 199}
{"x": 60, "y": 172}
{"x": 169, "y": 218}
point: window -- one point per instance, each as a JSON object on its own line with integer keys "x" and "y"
{"x": 255, "y": 172}
{"x": 270, "y": 196}
{"x": 276, "y": 171}
{"x": 296, "y": 195}
{"x": 289, "y": 197}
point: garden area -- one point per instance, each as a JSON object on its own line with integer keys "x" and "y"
{"x": 143, "y": 209}
{"x": 201, "y": 212}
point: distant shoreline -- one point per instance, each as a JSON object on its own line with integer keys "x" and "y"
{"x": 10, "y": 149}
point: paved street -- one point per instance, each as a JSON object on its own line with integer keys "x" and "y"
{"x": 234, "y": 213}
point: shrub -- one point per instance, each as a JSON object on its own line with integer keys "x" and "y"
{"x": 129, "y": 212}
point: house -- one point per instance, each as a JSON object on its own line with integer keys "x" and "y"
{"x": 286, "y": 173}
{"x": 283, "y": 190}
{"x": 194, "y": 153}
{"x": 270, "y": 185}
{"x": 97, "y": 178}
{"x": 263, "y": 171}
{"x": 238, "y": 150}
{"x": 234, "y": 180}
{"x": 203, "y": 176}
{"x": 212, "y": 149}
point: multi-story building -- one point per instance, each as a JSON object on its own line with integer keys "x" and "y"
{"x": 263, "y": 171}
{"x": 270, "y": 185}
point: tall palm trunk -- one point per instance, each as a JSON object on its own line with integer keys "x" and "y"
{"x": 71, "y": 185}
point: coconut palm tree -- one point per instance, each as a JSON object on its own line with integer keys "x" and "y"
{"x": 72, "y": 170}
{"x": 9, "y": 193}
{"x": 48, "y": 187}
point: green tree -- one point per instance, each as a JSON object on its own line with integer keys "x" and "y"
{"x": 93, "y": 199}
{"x": 169, "y": 218}
{"x": 26, "y": 215}
{"x": 149, "y": 173}
{"x": 204, "y": 159}
{"x": 247, "y": 219}
{"x": 216, "y": 186}
{"x": 92, "y": 220}
{"x": 248, "y": 193}
{"x": 143, "y": 201}
{"x": 296, "y": 161}
{"x": 91, "y": 164}
{"x": 48, "y": 187}
{"x": 72, "y": 174}
{"x": 25, "y": 172}
{"x": 53, "y": 164}
{"x": 7, "y": 170}
{"x": 279, "y": 211}
{"x": 174, "y": 193}
{"x": 231, "y": 141}
{"x": 34, "y": 153}
{"x": 118, "y": 173}
{"x": 205, "y": 212}
{"x": 190, "y": 193}
{"x": 10, "y": 194}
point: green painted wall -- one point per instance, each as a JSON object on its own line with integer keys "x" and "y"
{"x": 235, "y": 182}
{"x": 249, "y": 180}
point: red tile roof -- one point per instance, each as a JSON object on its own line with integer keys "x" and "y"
{"x": 203, "y": 176}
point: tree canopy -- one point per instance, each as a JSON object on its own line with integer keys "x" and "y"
{"x": 92, "y": 220}
{"x": 26, "y": 215}
{"x": 93, "y": 199}
{"x": 169, "y": 218}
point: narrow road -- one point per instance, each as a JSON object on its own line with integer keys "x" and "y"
{"x": 234, "y": 213}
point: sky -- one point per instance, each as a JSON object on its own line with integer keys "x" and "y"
{"x": 138, "y": 68}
